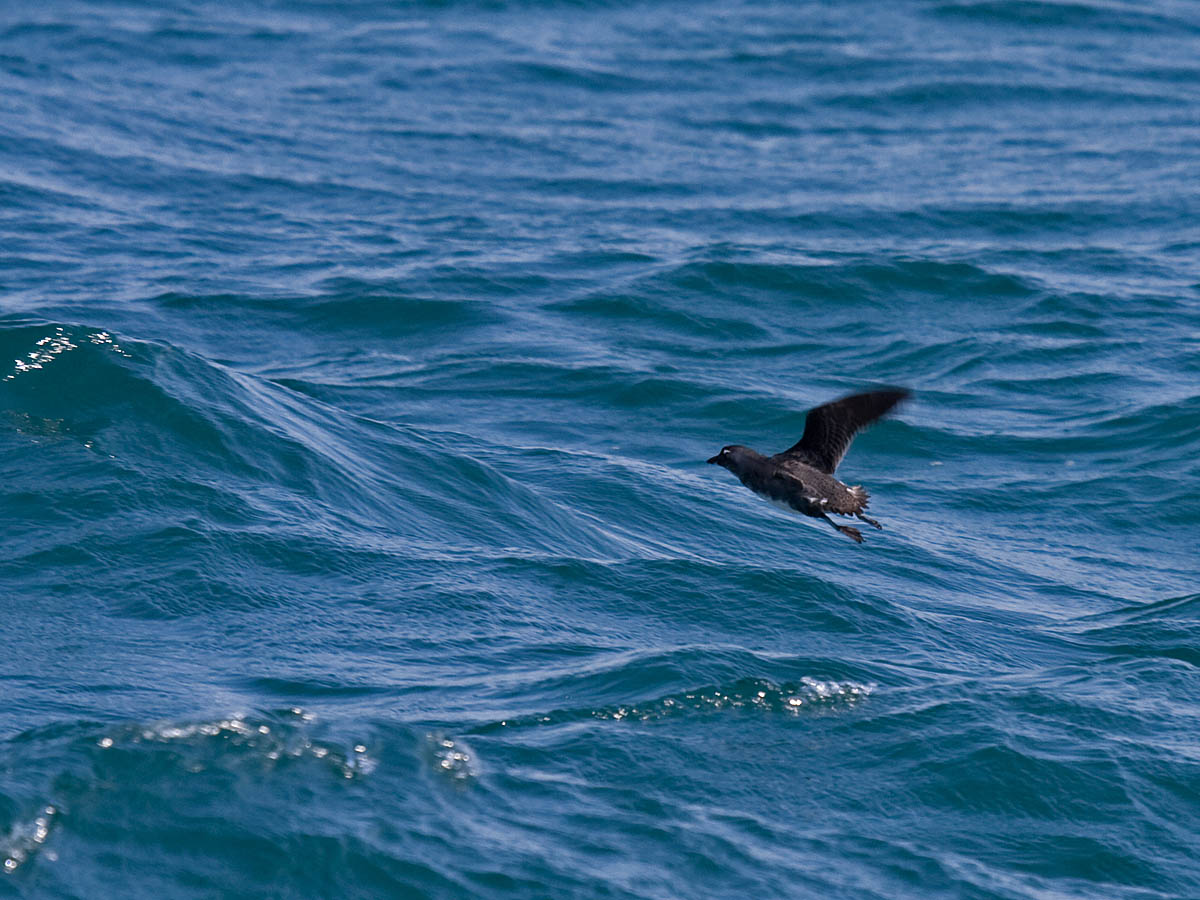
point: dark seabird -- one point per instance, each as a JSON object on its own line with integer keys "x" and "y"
{"x": 801, "y": 477}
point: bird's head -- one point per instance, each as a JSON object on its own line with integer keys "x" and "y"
{"x": 730, "y": 456}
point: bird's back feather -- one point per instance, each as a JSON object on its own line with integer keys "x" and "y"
{"x": 826, "y": 491}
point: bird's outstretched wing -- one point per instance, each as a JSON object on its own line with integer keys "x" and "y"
{"x": 829, "y": 429}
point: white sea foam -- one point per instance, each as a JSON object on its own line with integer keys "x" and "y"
{"x": 267, "y": 741}
{"x": 26, "y": 838}
{"x": 809, "y": 694}
{"x": 45, "y": 351}
{"x": 452, "y": 758}
{"x": 50, "y": 347}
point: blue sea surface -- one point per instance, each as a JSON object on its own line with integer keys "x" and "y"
{"x": 359, "y": 362}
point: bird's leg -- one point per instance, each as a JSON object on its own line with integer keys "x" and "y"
{"x": 852, "y": 533}
{"x": 868, "y": 520}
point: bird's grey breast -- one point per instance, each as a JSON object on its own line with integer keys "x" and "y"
{"x": 794, "y": 487}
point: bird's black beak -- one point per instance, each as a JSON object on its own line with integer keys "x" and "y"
{"x": 715, "y": 459}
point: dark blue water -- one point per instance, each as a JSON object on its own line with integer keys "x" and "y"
{"x": 362, "y": 362}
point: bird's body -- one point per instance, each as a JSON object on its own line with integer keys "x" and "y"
{"x": 801, "y": 477}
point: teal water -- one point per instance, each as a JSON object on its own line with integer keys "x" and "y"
{"x": 362, "y": 362}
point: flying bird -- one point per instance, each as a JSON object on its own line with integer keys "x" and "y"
{"x": 801, "y": 477}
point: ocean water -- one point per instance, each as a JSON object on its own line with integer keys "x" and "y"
{"x": 358, "y": 366}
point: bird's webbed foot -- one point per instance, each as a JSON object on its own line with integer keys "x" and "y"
{"x": 853, "y": 533}
{"x": 869, "y": 520}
